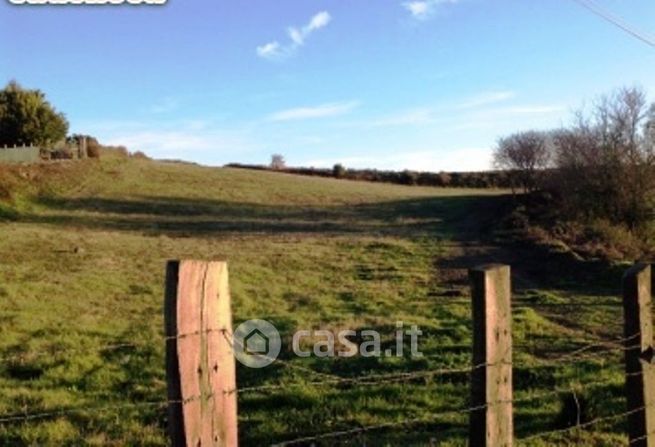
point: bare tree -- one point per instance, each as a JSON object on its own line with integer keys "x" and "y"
{"x": 527, "y": 154}
{"x": 277, "y": 162}
{"x": 606, "y": 162}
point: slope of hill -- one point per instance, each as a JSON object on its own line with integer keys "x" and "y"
{"x": 83, "y": 250}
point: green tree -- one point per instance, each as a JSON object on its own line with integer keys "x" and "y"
{"x": 26, "y": 117}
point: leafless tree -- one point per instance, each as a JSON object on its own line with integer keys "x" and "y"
{"x": 606, "y": 162}
{"x": 525, "y": 153}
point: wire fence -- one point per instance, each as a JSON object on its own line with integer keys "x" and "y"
{"x": 590, "y": 351}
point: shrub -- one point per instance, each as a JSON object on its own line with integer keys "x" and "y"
{"x": 62, "y": 154}
{"x": 443, "y": 179}
{"x": 409, "y": 177}
{"x": 339, "y": 171}
{"x": 93, "y": 148}
{"x": 140, "y": 155}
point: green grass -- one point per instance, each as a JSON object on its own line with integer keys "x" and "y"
{"x": 83, "y": 250}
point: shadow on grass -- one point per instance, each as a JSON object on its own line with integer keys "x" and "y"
{"x": 468, "y": 221}
{"x": 434, "y": 216}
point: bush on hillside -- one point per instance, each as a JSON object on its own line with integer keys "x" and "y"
{"x": 139, "y": 155}
{"x": 93, "y": 148}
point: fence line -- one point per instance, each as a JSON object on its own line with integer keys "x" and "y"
{"x": 592, "y": 350}
{"x": 372, "y": 379}
{"x": 102, "y": 408}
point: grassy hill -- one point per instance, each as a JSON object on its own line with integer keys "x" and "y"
{"x": 83, "y": 249}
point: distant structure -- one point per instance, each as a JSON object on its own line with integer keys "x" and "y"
{"x": 72, "y": 149}
{"x": 277, "y": 162}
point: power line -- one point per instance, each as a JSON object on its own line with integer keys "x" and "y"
{"x": 616, "y": 21}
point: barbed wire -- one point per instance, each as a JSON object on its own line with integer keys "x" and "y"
{"x": 433, "y": 417}
{"x": 359, "y": 430}
{"x": 379, "y": 379}
{"x": 582, "y": 425}
{"x": 52, "y": 351}
{"x": 25, "y": 417}
{"x": 641, "y": 438}
{"x": 576, "y": 355}
{"x": 371, "y": 380}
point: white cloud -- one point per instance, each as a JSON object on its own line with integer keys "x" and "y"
{"x": 424, "y": 9}
{"x": 298, "y": 36}
{"x": 318, "y": 21}
{"x": 270, "y": 50}
{"x": 418, "y": 9}
{"x": 321, "y": 111}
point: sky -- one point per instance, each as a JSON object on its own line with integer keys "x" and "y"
{"x": 387, "y": 84}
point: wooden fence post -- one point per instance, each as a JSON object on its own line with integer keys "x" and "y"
{"x": 639, "y": 368}
{"x": 491, "y": 425}
{"x": 200, "y": 363}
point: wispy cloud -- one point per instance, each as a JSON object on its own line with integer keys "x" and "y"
{"x": 320, "y": 111}
{"x": 532, "y": 109}
{"x": 478, "y": 111}
{"x": 485, "y": 99}
{"x": 415, "y": 116}
{"x": 270, "y": 50}
{"x": 276, "y": 51}
{"x": 424, "y": 9}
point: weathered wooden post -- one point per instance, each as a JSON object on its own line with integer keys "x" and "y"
{"x": 491, "y": 424}
{"x": 639, "y": 368}
{"x": 200, "y": 363}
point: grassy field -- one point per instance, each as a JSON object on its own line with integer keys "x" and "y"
{"x": 81, "y": 305}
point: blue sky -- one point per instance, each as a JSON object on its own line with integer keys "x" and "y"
{"x": 425, "y": 84}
